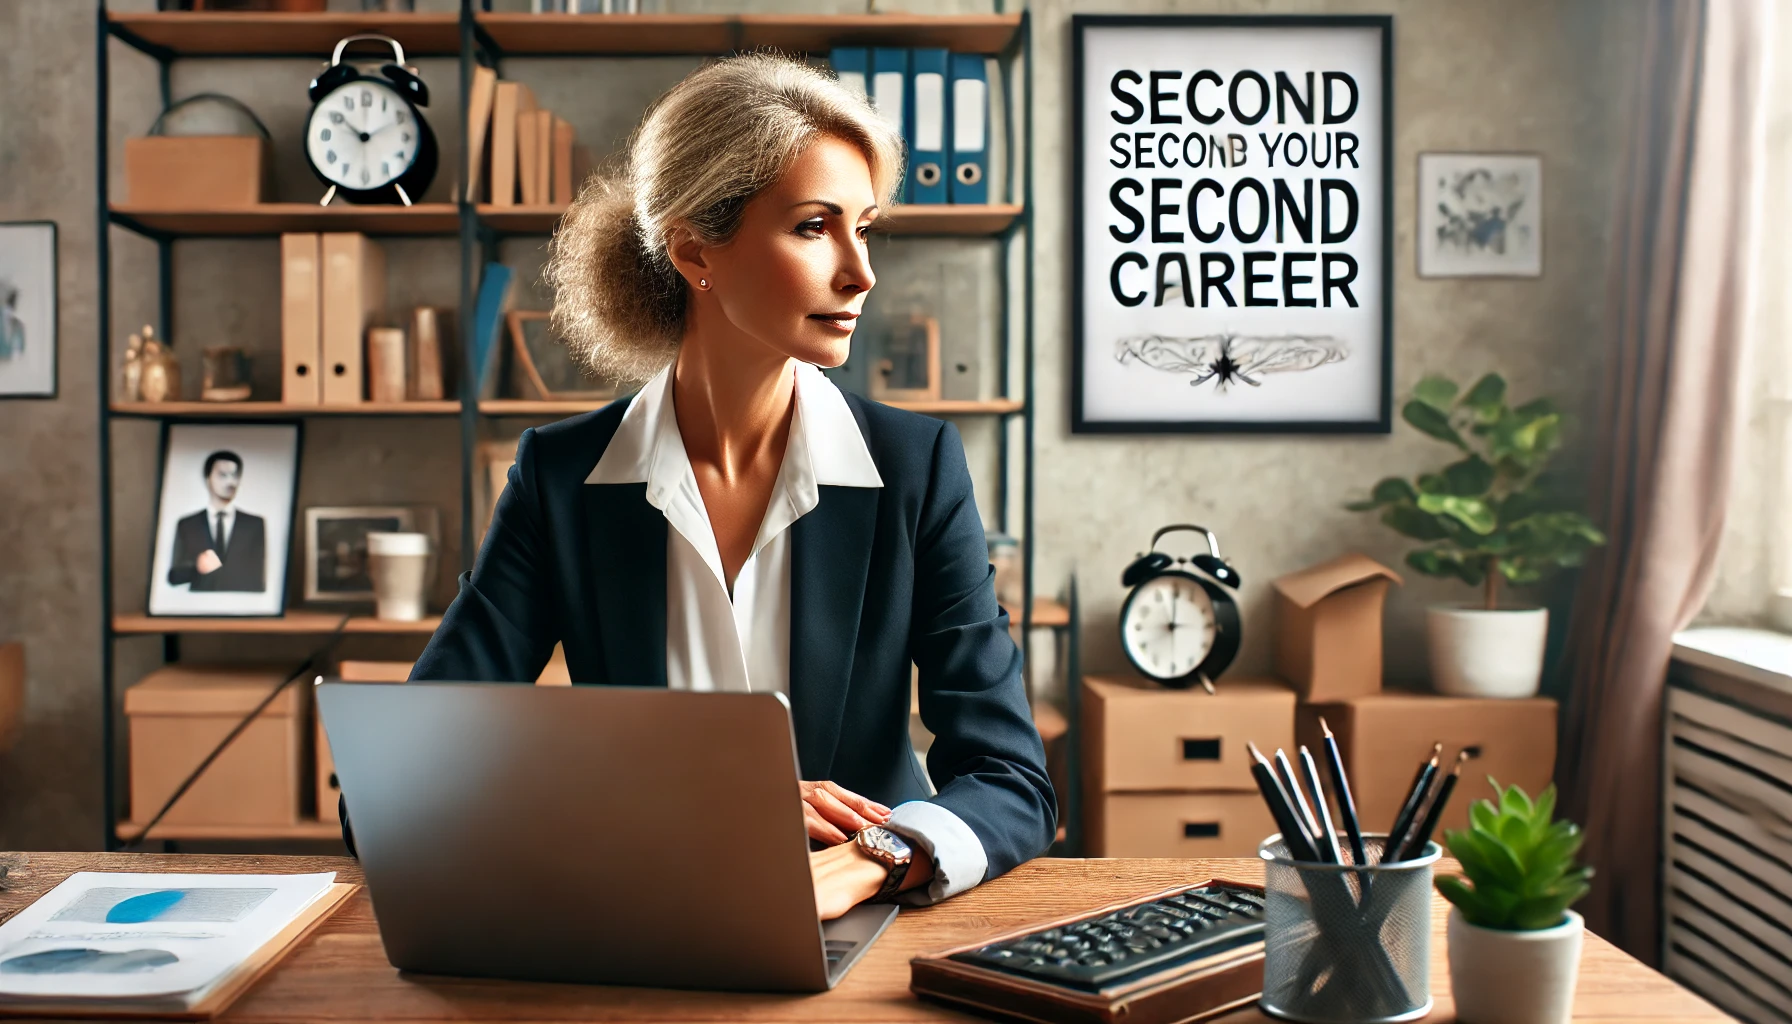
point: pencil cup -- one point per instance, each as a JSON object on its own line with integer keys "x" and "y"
{"x": 1346, "y": 944}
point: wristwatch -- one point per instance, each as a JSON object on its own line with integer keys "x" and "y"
{"x": 890, "y": 850}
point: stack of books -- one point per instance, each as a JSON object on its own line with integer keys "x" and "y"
{"x": 522, "y": 153}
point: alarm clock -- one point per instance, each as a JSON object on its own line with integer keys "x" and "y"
{"x": 365, "y": 137}
{"x": 1178, "y": 628}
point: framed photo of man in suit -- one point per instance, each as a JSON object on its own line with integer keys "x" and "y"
{"x": 224, "y": 519}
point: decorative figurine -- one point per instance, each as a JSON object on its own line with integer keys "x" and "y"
{"x": 161, "y": 369}
{"x": 130, "y": 387}
{"x": 226, "y": 375}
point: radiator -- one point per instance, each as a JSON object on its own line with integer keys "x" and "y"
{"x": 1727, "y": 877}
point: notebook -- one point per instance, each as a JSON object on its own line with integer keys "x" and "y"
{"x": 106, "y": 944}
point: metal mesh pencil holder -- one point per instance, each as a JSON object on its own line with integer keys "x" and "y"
{"x": 1347, "y": 944}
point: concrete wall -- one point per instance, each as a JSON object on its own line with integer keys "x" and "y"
{"x": 1483, "y": 74}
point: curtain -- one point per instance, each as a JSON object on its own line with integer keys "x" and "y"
{"x": 1677, "y": 295}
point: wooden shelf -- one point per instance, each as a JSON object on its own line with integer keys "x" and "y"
{"x": 269, "y": 219}
{"x": 292, "y": 622}
{"x": 259, "y": 33}
{"x": 231, "y": 410}
{"x": 707, "y": 34}
{"x": 1050, "y": 722}
{"x": 305, "y": 829}
{"x": 1047, "y": 614}
{"x": 944, "y": 407}
{"x": 948, "y": 219}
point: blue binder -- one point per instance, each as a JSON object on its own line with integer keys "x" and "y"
{"x": 890, "y": 88}
{"x": 970, "y": 129}
{"x": 931, "y": 117}
{"x": 852, "y": 65}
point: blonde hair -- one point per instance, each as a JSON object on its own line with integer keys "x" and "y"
{"x": 704, "y": 149}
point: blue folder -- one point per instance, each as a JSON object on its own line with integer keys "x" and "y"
{"x": 970, "y": 129}
{"x": 931, "y": 116}
{"x": 852, "y": 65}
{"x": 890, "y": 87}
{"x": 488, "y": 324}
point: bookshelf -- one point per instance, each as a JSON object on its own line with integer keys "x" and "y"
{"x": 472, "y": 37}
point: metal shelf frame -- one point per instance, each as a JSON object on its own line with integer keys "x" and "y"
{"x": 479, "y": 241}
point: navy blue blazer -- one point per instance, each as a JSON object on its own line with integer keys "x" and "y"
{"x": 879, "y": 577}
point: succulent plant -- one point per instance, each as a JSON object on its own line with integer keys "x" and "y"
{"x": 1495, "y": 515}
{"x": 1520, "y": 861}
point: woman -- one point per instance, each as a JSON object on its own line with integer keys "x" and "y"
{"x": 740, "y": 523}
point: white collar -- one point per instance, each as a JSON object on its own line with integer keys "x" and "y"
{"x": 825, "y": 448}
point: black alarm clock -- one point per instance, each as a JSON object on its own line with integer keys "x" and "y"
{"x": 365, "y": 137}
{"x": 1176, "y": 627}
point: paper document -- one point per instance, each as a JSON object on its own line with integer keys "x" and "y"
{"x": 114, "y": 936}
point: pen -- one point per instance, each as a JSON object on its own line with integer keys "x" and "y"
{"x": 1416, "y": 844}
{"x": 1409, "y": 811}
{"x": 1294, "y": 834}
{"x": 1328, "y": 843}
{"x": 1341, "y": 787}
{"x": 1285, "y": 771}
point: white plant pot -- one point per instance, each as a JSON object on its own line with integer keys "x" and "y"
{"x": 1478, "y": 653}
{"x": 1501, "y": 977}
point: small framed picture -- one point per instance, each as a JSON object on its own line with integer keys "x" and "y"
{"x": 548, "y": 369}
{"x": 336, "y": 546}
{"x": 909, "y": 370}
{"x": 28, "y": 310}
{"x": 224, "y": 519}
{"x": 1480, "y": 215}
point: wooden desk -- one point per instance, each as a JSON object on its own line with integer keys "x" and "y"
{"x": 341, "y": 973}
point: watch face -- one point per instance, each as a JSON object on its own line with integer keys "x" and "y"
{"x": 1167, "y": 626}
{"x": 887, "y": 844}
{"x": 363, "y": 135}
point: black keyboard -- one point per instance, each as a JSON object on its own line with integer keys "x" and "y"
{"x": 1096, "y": 952}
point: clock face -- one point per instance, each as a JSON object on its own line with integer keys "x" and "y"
{"x": 363, "y": 135}
{"x": 1168, "y": 626}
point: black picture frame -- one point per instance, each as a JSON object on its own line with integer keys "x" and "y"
{"x": 55, "y": 311}
{"x": 283, "y": 558}
{"x": 1080, "y": 423}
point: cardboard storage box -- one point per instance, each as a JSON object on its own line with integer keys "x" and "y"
{"x": 1384, "y": 738}
{"x": 352, "y": 672}
{"x": 180, "y": 712}
{"x": 1139, "y": 736}
{"x": 1213, "y": 824}
{"x": 1328, "y": 627}
{"x": 195, "y": 172}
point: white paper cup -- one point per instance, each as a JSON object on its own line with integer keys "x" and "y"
{"x": 399, "y": 566}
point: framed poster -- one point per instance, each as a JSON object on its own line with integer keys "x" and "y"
{"x": 336, "y": 567}
{"x": 224, "y": 519}
{"x": 1232, "y": 262}
{"x": 1480, "y": 215}
{"x": 28, "y": 310}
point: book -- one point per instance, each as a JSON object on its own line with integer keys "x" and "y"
{"x": 511, "y": 100}
{"x": 479, "y": 119}
{"x": 300, "y": 345}
{"x": 563, "y": 190}
{"x": 488, "y": 321}
{"x": 117, "y": 944}
{"x": 527, "y": 124}
{"x": 544, "y": 155}
{"x": 386, "y": 364}
{"x": 424, "y": 380}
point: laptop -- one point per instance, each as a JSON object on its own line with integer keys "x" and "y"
{"x": 597, "y": 834}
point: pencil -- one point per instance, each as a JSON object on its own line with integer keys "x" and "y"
{"x": 1409, "y": 811}
{"x": 1294, "y": 834}
{"x": 1286, "y": 771}
{"x": 1328, "y": 843}
{"x": 1416, "y": 844}
{"x": 1341, "y": 787}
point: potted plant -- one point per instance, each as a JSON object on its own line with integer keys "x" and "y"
{"x": 1514, "y": 944}
{"x": 1492, "y": 517}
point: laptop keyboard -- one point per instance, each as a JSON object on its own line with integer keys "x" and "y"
{"x": 1095, "y": 952}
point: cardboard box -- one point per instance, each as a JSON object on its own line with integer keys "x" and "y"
{"x": 196, "y": 172}
{"x": 180, "y": 712}
{"x": 1139, "y": 736}
{"x": 1384, "y": 738}
{"x": 1328, "y": 627}
{"x": 1176, "y": 824}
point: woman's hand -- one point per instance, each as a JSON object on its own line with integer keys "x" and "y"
{"x": 846, "y": 876}
{"x": 833, "y": 813}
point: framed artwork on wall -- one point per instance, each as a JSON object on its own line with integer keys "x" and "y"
{"x": 28, "y": 310}
{"x": 336, "y": 546}
{"x": 224, "y": 519}
{"x": 1232, "y": 224}
{"x": 1480, "y": 215}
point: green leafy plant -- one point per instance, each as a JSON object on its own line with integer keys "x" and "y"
{"x": 1495, "y": 515}
{"x": 1520, "y": 861}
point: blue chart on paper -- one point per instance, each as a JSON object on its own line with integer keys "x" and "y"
{"x": 163, "y": 906}
{"x": 88, "y": 961}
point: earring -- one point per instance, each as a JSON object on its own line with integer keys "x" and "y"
{"x": 703, "y": 282}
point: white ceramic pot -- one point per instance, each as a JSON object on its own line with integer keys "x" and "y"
{"x": 1478, "y": 653}
{"x": 1501, "y": 977}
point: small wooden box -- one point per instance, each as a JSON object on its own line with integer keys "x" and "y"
{"x": 1328, "y": 627}
{"x": 1139, "y": 736}
{"x": 180, "y": 712}
{"x": 195, "y": 172}
{"x": 1209, "y": 824}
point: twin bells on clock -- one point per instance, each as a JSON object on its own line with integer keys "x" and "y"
{"x": 1176, "y": 627}
{"x": 365, "y": 136}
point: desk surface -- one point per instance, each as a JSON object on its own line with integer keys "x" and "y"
{"x": 342, "y": 973}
